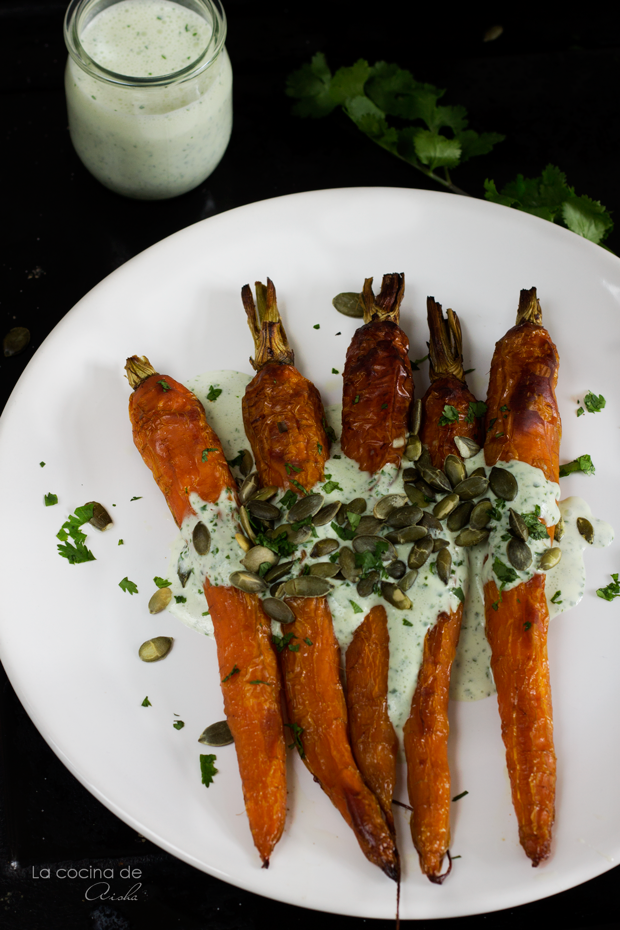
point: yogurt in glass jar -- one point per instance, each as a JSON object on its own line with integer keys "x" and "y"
{"x": 149, "y": 92}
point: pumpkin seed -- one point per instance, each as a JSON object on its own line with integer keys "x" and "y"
{"x": 413, "y": 449}
{"x": 410, "y": 474}
{"x": 459, "y": 516}
{"x": 278, "y": 610}
{"x": 248, "y": 582}
{"x": 366, "y": 585}
{"x": 346, "y": 561}
{"x": 324, "y": 547}
{"x": 480, "y": 472}
{"x": 324, "y": 569}
{"x": 100, "y": 519}
{"x": 420, "y": 552}
{"x": 425, "y": 488}
{"x": 559, "y": 529}
{"x": 243, "y": 541}
{"x": 218, "y": 734}
{"x": 416, "y": 417}
{"x": 155, "y": 649}
{"x": 307, "y": 586}
{"x": 470, "y": 537}
{"x": 246, "y": 462}
{"x": 295, "y": 536}
{"x": 15, "y": 341}
{"x": 405, "y": 516}
{"x": 466, "y": 446}
{"x": 357, "y": 505}
{"x": 471, "y": 487}
{"x": 257, "y": 556}
{"x": 517, "y": 524}
{"x": 481, "y": 514}
{"x": 396, "y": 569}
{"x": 327, "y": 513}
{"x": 444, "y": 564}
{"x": 349, "y": 304}
{"x": 183, "y": 571}
{"x": 277, "y": 589}
{"x": 550, "y": 558}
{"x": 415, "y": 495}
{"x": 519, "y": 554}
{"x": 160, "y": 600}
{"x": 454, "y": 469}
{"x": 439, "y": 543}
{"x": 341, "y": 515}
{"x": 201, "y": 538}
{"x": 385, "y": 505}
{"x": 263, "y": 510}
{"x": 435, "y": 477}
{"x": 278, "y": 571}
{"x": 369, "y": 544}
{"x": 425, "y": 459}
{"x": 503, "y": 483}
{"x": 249, "y": 487}
{"x": 406, "y": 534}
{"x": 395, "y": 596}
{"x": 368, "y": 526}
{"x": 246, "y": 526}
{"x": 445, "y": 506}
{"x": 586, "y": 529}
{"x": 407, "y": 580}
{"x": 430, "y": 521}
{"x": 265, "y": 494}
{"x": 307, "y": 506}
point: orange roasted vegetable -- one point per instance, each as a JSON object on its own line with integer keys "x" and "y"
{"x": 426, "y": 730}
{"x": 171, "y": 432}
{"x": 377, "y": 382}
{"x": 373, "y": 739}
{"x": 318, "y": 715}
{"x": 523, "y": 378}
{"x": 285, "y": 424}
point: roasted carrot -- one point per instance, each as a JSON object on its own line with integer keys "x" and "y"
{"x": 522, "y": 398}
{"x": 285, "y": 424}
{"x": 318, "y": 715}
{"x": 377, "y": 382}
{"x": 426, "y": 730}
{"x": 171, "y": 433}
{"x": 373, "y": 739}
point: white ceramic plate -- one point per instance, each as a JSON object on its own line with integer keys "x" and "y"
{"x": 69, "y": 635}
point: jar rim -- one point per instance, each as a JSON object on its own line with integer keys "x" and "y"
{"x": 71, "y": 29}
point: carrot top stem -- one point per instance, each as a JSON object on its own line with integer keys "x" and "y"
{"x": 138, "y": 369}
{"x": 386, "y": 305}
{"x": 446, "y": 346}
{"x": 529, "y": 308}
{"x": 270, "y": 340}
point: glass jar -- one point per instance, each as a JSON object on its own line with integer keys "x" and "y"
{"x": 145, "y": 123}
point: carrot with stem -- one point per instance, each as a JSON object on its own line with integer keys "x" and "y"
{"x": 172, "y": 434}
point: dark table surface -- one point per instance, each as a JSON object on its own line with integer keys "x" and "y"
{"x": 549, "y": 84}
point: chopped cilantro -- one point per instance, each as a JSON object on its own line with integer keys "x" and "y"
{"x": 299, "y": 486}
{"x": 357, "y": 399}
{"x": 611, "y": 591}
{"x": 580, "y": 411}
{"x": 161, "y": 582}
{"x": 281, "y": 642}
{"x": 71, "y": 528}
{"x": 536, "y": 529}
{"x": 288, "y": 499}
{"x": 330, "y": 486}
{"x": 594, "y": 403}
{"x": 205, "y": 454}
{"x": 334, "y": 372}
{"x": 236, "y": 462}
{"x": 146, "y": 702}
{"x": 121, "y": 542}
{"x": 356, "y": 607}
{"x": 207, "y": 769}
{"x": 458, "y": 798}
{"x": 495, "y": 605}
{"x": 450, "y": 415}
{"x": 51, "y": 499}
{"x": 258, "y": 681}
{"x": 281, "y": 544}
{"x": 164, "y": 385}
{"x": 178, "y": 724}
{"x": 234, "y": 671}
{"x": 319, "y": 448}
{"x": 505, "y": 573}
{"x": 527, "y": 625}
{"x": 308, "y": 642}
{"x": 128, "y": 586}
{"x": 214, "y": 393}
{"x": 42, "y": 464}
{"x": 180, "y": 598}
{"x": 554, "y": 599}
{"x": 459, "y": 594}
{"x": 342, "y": 531}
{"x": 582, "y": 463}
{"x": 354, "y": 519}
{"x": 135, "y": 499}
{"x": 316, "y": 326}
{"x": 297, "y": 732}
{"x": 477, "y": 408}
{"x": 407, "y": 622}
{"x": 329, "y": 432}
{"x": 290, "y": 467}
{"x": 384, "y": 406}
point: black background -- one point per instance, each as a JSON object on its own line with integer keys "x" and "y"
{"x": 549, "y": 83}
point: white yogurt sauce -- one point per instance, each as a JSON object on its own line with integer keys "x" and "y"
{"x": 156, "y": 141}
{"x": 471, "y": 676}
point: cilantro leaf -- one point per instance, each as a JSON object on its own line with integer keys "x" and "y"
{"x": 356, "y": 608}
{"x": 459, "y": 796}
{"x": 477, "y": 408}
{"x": 330, "y": 486}
{"x": 537, "y": 530}
{"x": 459, "y": 594}
{"x": 236, "y": 462}
{"x": 51, "y": 499}
{"x": 311, "y": 86}
{"x": 178, "y": 724}
{"x": 281, "y": 642}
{"x": 161, "y": 582}
{"x": 594, "y": 403}
{"x": 288, "y": 499}
{"x": 504, "y": 572}
{"x": 71, "y": 529}
{"x": 76, "y": 554}
{"x": 128, "y": 586}
{"x": 234, "y": 671}
{"x": 611, "y": 591}
{"x": 205, "y": 454}
{"x": 582, "y": 463}
{"x": 342, "y": 531}
{"x": 450, "y": 415}
{"x": 146, "y": 702}
{"x": 297, "y": 733}
{"x": 279, "y": 544}
{"x": 208, "y": 770}
{"x": 214, "y": 392}
{"x": 164, "y": 385}
{"x": 554, "y": 599}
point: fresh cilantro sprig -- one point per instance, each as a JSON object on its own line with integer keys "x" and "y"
{"x": 129, "y": 586}
{"x": 594, "y": 402}
{"x": 536, "y": 529}
{"x": 71, "y": 529}
{"x": 427, "y": 135}
{"x": 610, "y": 591}
{"x": 582, "y": 463}
{"x": 161, "y": 582}
{"x": 550, "y": 197}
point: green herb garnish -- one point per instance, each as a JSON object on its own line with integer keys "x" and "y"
{"x": 297, "y": 732}
{"x": 594, "y": 403}
{"x": 180, "y": 598}
{"x": 208, "y": 770}
{"x": 611, "y": 591}
{"x": 78, "y": 552}
{"x": 477, "y": 408}
{"x": 178, "y": 724}
{"x": 582, "y": 463}
{"x": 205, "y": 454}
{"x": 459, "y": 594}
{"x": 51, "y": 499}
{"x": 284, "y": 641}
{"x": 356, "y": 607}
{"x": 536, "y": 529}
{"x": 504, "y": 572}
{"x": 161, "y": 582}
{"x": 214, "y": 393}
{"x": 128, "y": 586}
{"x": 450, "y": 415}
{"x": 164, "y": 385}
{"x": 234, "y": 671}
{"x": 146, "y": 702}
{"x": 554, "y": 599}
{"x": 458, "y": 798}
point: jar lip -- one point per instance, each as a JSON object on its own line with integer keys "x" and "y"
{"x": 81, "y": 57}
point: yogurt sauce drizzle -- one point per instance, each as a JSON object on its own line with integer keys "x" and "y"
{"x": 471, "y": 676}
